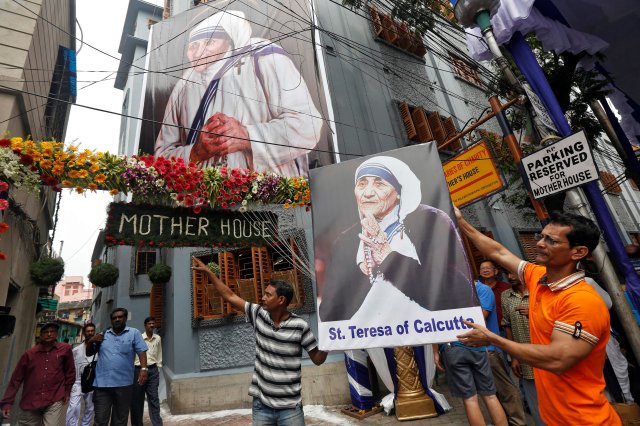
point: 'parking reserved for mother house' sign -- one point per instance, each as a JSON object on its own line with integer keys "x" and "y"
{"x": 564, "y": 165}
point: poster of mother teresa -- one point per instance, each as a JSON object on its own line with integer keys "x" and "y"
{"x": 236, "y": 84}
{"x": 391, "y": 269}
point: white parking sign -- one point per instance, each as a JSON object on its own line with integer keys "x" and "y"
{"x": 561, "y": 166}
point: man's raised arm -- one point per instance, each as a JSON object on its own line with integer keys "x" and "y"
{"x": 490, "y": 248}
{"x": 226, "y": 293}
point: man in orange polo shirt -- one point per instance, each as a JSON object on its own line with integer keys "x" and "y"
{"x": 569, "y": 322}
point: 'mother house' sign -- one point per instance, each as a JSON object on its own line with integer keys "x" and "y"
{"x": 137, "y": 224}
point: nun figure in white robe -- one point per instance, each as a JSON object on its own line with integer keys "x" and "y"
{"x": 239, "y": 91}
{"x": 400, "y": 256}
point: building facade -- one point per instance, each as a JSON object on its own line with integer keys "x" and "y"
{"x": 37, "y": 89}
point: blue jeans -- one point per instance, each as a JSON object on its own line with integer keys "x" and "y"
{"x": 267, "y": 416}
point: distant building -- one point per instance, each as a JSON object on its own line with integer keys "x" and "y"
{"x": 71, "y": 289}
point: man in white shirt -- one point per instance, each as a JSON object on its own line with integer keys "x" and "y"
{"x": 81, "y": 360}
{"x": 150, "y": 387}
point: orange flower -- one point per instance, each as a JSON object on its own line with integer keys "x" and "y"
{"x": 79, "y": 189}
{"x": 67, "y": 183}
{"x": 100, "y": 178}
{"x": 83, "y": 174}
{"x": 47, "y": 152}
{"x": 73, "y": 174}
{"x": 114, "y": 192}
{"x": 46, "y": 164}
{"x": 94, "y": 167}
{"x": 58, "y": 170}
{"x": 93, "y": 187}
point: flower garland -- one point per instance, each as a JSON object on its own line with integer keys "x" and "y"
{"x": 155, "y": 180}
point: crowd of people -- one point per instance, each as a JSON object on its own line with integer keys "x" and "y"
{"x": 126, "y": 370}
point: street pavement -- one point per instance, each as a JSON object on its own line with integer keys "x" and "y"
{"x": 317, "y": 415}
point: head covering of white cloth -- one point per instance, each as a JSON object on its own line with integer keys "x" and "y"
{"x": 409, "y": 191}
{"x": 231, "y": 23}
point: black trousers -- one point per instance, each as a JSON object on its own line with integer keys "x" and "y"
{"x": 150, "y": 388}
{"x": 111, "y": 405}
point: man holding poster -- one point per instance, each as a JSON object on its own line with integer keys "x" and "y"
{"x": 397, "y": 264}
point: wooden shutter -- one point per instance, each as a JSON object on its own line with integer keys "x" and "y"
{"x": 450, "y": 131}
{"x": 528, "y": 244}
{"x": 417, "y": 46}
{"x": 405, "y": 113}
{"x": 405, "y": 37}
{"x": 156, "y": 302}
{"x": 435, "y": 123}
{"x": 228, "y": 275}
{"x": 421, "y": 124}
{"x": 375, "y": 19}
{"x": 389, "y": 31}
{"x": 298, "y": 288}
{"x": 200, "y": 299}
{"x": 262, "y": 269}
{"x": 474, "y": 255}
{"x": 609, "y": 182}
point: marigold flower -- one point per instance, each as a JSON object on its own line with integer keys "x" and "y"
{"x": 46, "y": 164}
{"x": 114, "y": 192}
{"x": 94, "y": 167}
{"x": 57, "y": 170}
{"x": 82, "y": 174}
{"x": 79, "y": 189}
{"x": 67, "y": 183}
{"x": 100, "y": 178}
{"x": 73, "y": 174}
{"x": 73, "y": 148}
{"x": 93, "y": 187}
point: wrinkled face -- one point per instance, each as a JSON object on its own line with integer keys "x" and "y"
{"x": 202, "y": 53}
{"x": 49, "y": 335}
{"x": 376, "y": 196}
{"x": 270, "y": 300}
{"x": 149, "y": 326}
{"x": 553, "y": 248}
{"x": 88, "y": 333}
{"x": 487, "y": 270}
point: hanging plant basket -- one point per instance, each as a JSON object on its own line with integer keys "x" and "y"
{"x": 47, "y": 271}
{"x": 104, "y": 275}
{"x": 160, "y": 273}
{"x": 213, "y": 266}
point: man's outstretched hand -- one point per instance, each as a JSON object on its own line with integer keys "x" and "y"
{"x": 479, "y": 336}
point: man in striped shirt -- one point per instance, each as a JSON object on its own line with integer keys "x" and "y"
{"x": 280, "y": 336}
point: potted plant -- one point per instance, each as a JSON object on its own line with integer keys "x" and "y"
{"x": 160, "y": 273}
{"x": 213, "y": 266}
{"x": 47, "y": 271}
{"x": 104, "y": 275}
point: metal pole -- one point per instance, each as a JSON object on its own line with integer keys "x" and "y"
{"x": 516, "y": 152}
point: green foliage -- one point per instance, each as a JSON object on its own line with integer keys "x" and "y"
{"x": 160, "y": 273}
{"x": 47, "y": 271}
{"x": 418, "y": 14}
{"x": 214, "y": 268}
{"x": 104, "y": 275}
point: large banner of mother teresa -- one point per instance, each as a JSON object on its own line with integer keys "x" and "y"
{"x": 235, "y": 84}
{"x": 390, "y": 265}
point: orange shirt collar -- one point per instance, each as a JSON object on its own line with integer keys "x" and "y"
{"x": 564, "y": 283}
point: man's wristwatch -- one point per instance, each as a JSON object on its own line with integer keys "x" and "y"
{"x": 144, "y": 369}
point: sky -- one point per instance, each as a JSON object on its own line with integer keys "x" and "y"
{"x": 82, "y": 216}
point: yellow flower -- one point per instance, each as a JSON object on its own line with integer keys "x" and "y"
{"x": 93, "y": 187}
{"x": 94, "y": 167}
{"x": 73, "y": 148}
{"x": 73, "y": 174}
{"x": 29, "y": 144}
{"x": 83, "y": 174}
{"x": 79, "y": 189}
{"x": 16, "y": 145}
{"x": 47, "y": 152}
{"x": 46, "y": 164}
{"x": 114, "y": 192}
{"x": 67, "y": 183}
{"x": 57, "y": 170}
{"x": 82, "y": 158}
{"x": 71, "y": 157}
{"x": 16, "y": 140}
{"x": 100, "y": 178}
{"x": 61, "y": 156}
{"x": 287, "y": 205}
{"x": 46, "y": 145}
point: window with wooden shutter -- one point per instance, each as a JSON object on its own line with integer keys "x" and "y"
{"x": 145, "y": 259}
{"x": 375, "y": 19}
{"x": 262, "y": 267}
{"x": 474, "y": 255}
{"x": 405, "y": 37}
{"x": 450, "y": 131}
{"x": 464, "y": 70}
{"x": 610, "y": 183}
{"x": 435, "y": 124}
{"x": 421, "y": 124}
{"x": 417, "y": 46}
{"x": 405, "y": 113}
{"x": 156, "y": 302}
{"x": 389, "y": 31}
{"x": 528, "y": 245}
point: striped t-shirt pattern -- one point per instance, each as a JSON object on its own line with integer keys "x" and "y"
{"x": 277, "y": 372}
